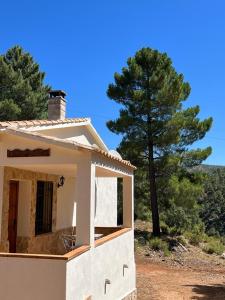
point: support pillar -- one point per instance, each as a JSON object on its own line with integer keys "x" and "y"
{"x": 85, "y": 197}
{"x": 128, "y": 201}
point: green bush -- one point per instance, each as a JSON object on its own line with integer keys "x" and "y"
{"x": 174, "y": 218}
{"x": 182, "y": 240}
{"x": 142, "y": 212}
{"x": 158, "y": 244}
{"x": 213, "y": 232}
{"x": 165, "y": 229}
{"x": 175, "y": 231}
{"x": 214, "y": 246}
{"x": 197, "y": 235}
{"x": 222, "y": 239}
{"x": 179, "y": 219}
{"x": 195, "y": 239}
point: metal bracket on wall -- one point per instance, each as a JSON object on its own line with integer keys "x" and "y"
{"x": 107, "y": 281}
{"x": 124, "y": 267}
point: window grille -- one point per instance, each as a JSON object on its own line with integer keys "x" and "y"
{"x": 43, "y": 223}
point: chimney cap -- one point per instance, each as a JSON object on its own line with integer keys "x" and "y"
{"x": 57, "y": 93}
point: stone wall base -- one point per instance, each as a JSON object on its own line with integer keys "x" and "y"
{"x": 4, "y": 246}
{"x": 131, "y": 296}
{"x": 48, "y": 243}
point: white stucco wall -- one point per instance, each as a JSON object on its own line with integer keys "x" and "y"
{"x": 106, "y": 201}
{"x": 76, "y": 279}
{"x": 66, "y": 204}
{"x": 78, "y": 272}
{"x": 24, "y": 202}
{"x": 60, "y": 157}
{"x": 79, "y": 134}
{"x": 108, "y": 262}
{"x": 32, "y": 279}
{"x": 103, "y": 262}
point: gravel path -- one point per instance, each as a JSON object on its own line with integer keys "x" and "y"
{"x": 157, "y": 281}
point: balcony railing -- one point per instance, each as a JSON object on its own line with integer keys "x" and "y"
{"x": 104, "y": 234}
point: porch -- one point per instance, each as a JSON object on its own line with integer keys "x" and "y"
{"x": 21, "y": 231}
{"x": 102, "y": 267}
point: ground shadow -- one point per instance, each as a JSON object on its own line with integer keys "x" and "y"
{"x": 208, "y": 292}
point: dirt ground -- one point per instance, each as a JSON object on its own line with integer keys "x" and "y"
{"x": 163, "y": 281}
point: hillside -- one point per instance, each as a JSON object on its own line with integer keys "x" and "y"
{"x": 181, "y": 274}
{"x": 208, "y": 168}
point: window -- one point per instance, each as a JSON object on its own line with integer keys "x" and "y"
{"x": 43, "y": 222}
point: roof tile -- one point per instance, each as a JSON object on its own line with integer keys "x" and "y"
{"x": 28, "y": 123}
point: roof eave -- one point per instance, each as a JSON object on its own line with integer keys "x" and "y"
{"x": 66, "y": 144}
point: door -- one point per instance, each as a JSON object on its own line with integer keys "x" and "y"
{"x": 13, "y": 211}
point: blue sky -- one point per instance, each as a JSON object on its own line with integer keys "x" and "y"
{"x": 80, "y": 44}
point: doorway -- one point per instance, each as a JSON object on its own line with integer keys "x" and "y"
{"x": 13, "y": 214}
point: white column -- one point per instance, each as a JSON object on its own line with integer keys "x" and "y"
{"x": 128, "y": 202}
{"x": 85, "y": 197}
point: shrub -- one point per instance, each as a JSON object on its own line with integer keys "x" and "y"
{"x": 142, "y": 212}
{"x": 158, "y": 244}
{"x": 175, "y": 218}
{"x": 196, "y": 236}
{"x": 175, "y": 231}
{"x": 213, "y": 232}
{"x": 222, "y": 239}
{"x": 165, "y": 229}
{"x": 195, "y": 239}
{"x": 182, "y": 240}
{"x": 214, "y": 246}
{"x": 179, "y": 219}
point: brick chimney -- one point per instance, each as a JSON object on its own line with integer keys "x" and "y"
{"x": 56, "y": 105}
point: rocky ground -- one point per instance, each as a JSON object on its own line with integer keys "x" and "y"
{"x": 183, "y": 275}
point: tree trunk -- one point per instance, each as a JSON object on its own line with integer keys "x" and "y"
{"x": 154, "y": 200}
{"x": 152, "y": 184}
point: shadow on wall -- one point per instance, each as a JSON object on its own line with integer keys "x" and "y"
{"x": 208, "y": 292}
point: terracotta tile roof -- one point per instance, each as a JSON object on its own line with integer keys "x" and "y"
{"x": 30, "y": 123}
{"x": 110, "y": 156}
{"x": 69, "y": 143}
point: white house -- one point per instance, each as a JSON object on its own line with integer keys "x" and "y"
{"x": 59, "y": 238}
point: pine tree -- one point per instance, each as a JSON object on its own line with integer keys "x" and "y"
{"x": 157, "y": 131}
{"x": 23, "y": 94}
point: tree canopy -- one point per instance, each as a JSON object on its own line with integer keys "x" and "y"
{"x": 212, "y": 202}
{"x": 157, "y": 130}
{"x": 23, "y": 94}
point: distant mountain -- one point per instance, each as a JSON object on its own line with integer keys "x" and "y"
{"x": 208, "y": 168}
